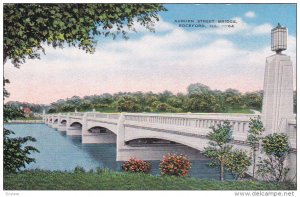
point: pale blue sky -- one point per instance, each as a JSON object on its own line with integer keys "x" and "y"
{"x": 170, "y": 59}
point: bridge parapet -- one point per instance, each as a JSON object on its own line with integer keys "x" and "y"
{"x": 190, "y": 123}
{"x": 77, "y": 114}
{"x": 193, "y": 123}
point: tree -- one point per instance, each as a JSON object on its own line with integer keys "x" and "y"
{"x": 219, "y": 149}
{"x": 238, "y": 163}
{"x": 164, "y": 96}
{"x": 128, "y": 104}
{"x": 254, "y": 136}
{"x": 27, "y": 27}
{"x": 232, "y": 97}
{"x": 276, "y": 147}
{"x": 197, "y": 88}
{"x": 205, "y": 102}
{"x": 253, "y": 100}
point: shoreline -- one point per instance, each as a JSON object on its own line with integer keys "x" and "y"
{"x": 25, "y": 122}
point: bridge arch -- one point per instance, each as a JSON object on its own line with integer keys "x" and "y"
{"x": 110, "y": 127}
{"x": 99, "y": 130}
{"x": 76, "y": 124}
{"x": 198, "y": 145}
{"x": 63, "y": 121}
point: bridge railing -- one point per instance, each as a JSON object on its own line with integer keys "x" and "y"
{"x": 239, "y": 122}
{"x": 77, "y": 114}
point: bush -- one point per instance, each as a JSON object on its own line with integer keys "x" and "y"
{"x": 173, "y": 164}
{"x": 238, "y": 163}
{"x": 135, "y": 165}
{"x": 79, "y": 169}
{"x": 272, "y": 167}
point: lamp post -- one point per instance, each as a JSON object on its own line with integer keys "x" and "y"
{"x": 278, "y": 85}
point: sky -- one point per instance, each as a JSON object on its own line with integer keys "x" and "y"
{"x": 170, "y": 59}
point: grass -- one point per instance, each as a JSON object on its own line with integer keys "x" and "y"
{"x": 238, "y": 110}
{"x": 110, "y": 180}
{"x": 29, "y": 118}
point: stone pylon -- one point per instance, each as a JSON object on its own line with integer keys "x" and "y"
{"x": 278, "y": 93}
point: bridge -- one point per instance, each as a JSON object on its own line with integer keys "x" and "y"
{"x": 187, "y": 133}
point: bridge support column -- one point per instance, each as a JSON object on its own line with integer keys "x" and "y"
{"x": 61, "y": 127}
{"x": 120, "y": 136}
{"x": 52, "y": 121}
{"x": 44, "y": 116}
{"x": 48, "y": 120}
{"x": 68, "y": 121}
{"x": 84, "y": 125}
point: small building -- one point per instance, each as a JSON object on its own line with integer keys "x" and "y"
{"x": 27, "y": 111}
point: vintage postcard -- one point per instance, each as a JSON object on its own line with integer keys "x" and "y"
{"x": 150, "y": 96}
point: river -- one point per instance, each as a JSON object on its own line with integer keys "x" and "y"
{"x": 61, "y": 152}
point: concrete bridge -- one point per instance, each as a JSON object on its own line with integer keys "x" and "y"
{"x": 187, "y": 133}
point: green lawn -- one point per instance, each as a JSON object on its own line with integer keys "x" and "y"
{"x": 108, "y": 180}
{"x": 238, "y": 110}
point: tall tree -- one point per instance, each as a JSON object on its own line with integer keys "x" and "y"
{"x": 254, "y": 136}
{"x": 197, "y": 88}
{"x": 219, "y": 148}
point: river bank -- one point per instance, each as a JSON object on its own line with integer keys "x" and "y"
{"x": 25, "y": 122}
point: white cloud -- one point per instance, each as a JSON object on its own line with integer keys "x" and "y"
{"x": 152, "y": 63}
{"x": 250, "y": 14}
{"x": 262, "y": 29}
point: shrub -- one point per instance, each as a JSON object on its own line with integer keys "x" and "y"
{"x": 79, "y": 169}
{"x": 173, "y": 164}
{"x": 135, "y": 165}
{"x": 238, "y": 163}
{"x": 272, "y": 167}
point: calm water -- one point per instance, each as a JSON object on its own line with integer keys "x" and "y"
{"x": 61, "y": 152}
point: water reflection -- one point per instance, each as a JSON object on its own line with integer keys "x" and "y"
{"x": 61, "y": 152}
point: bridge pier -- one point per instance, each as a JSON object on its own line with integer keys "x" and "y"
{"x": 120, "y": 137}
{"x": 54, "y": 125}
{"x": 62, "y": 127}
{"x": 74, "y": 131}
{"x": 100, "y": 138}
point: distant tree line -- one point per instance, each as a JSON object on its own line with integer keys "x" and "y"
{"x": 199, "y": 98}
{"x": 35, "y": 108}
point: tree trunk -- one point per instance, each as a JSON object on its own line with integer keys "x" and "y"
{"x": 221, "y": 172}
{"x": 254, "y": 163}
